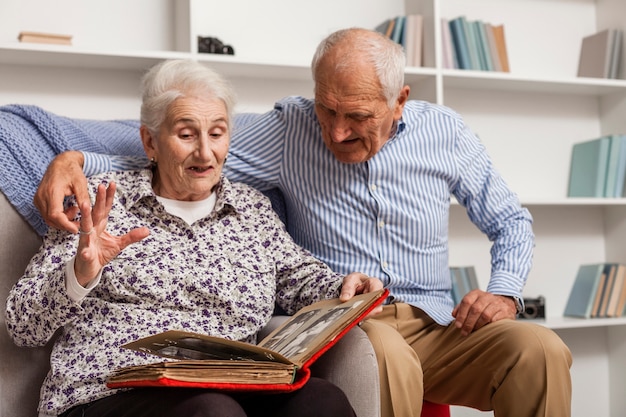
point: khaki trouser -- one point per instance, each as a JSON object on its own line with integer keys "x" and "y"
{"x": 515, "y": 368}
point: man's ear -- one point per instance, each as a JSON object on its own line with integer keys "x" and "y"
{"x": 403, "y": 97}
{"x": 148, "y": 142}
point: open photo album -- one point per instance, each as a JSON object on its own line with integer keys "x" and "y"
{"x": 279, "y": 362}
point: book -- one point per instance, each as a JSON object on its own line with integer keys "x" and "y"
{"x": 616, "y": 166}
{"x": 498, "y": 33}
{"x": 39, "y": 37}
{"x": 398, "y": 30}
{"x": 449, "y": 54}
{"x": 588, "y": 168}
{"x": 482, "y": 46}
{"x": 382, "y": 27}
{"x": 612, "y": 309}
{"x": 472, "y": 44}
{"x": 280, "y": 362}
{"x": 583, "y": 295}
{"x": 386, "y": 27}
{"x": 493, "y": 47}
{"x": 459, "y": 41}
{"x": 596, "y": 53}
{"x": 413, "y": 39}
{"x": 607, "y": 288}
{"x": 464, "y": 280}
{"x": 616, "y": 54}
{"x": 620, "y": 308}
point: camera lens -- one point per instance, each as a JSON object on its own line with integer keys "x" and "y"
{"x": 530, "y": 312}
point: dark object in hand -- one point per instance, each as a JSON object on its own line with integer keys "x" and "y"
{"x": 211, "y": 45}
{"x": 534, "y": 308}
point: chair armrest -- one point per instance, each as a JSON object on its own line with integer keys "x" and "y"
{"x": 351, "y": 365}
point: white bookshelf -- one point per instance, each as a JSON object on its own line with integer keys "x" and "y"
{"x": 528, "y": 118}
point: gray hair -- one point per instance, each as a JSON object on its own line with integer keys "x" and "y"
{"x": 386, "y": 56}
{"x": 172, "y": 79}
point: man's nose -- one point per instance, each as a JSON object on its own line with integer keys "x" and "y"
{"x": 340, "y": 129}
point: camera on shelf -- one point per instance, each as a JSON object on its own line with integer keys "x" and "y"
{"x": 534, "y": 308}
{"x": 210, "y": 45}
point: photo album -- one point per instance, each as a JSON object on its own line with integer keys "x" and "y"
{"x": 280, "y": 362}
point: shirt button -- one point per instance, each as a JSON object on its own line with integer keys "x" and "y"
{"x": 385, "y": 264}
{"x": 381, "y": 224}
{"x": 373, "y": 187}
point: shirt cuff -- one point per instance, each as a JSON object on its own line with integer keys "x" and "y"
{"x": 94, "y": 163}
{"x": 75, "y": 291}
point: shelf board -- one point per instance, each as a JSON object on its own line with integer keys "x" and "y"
{"x": 69, "y": 56}
{"x": 233, "y": 66}
{"x": 576, "y": 202}
{"x": 501, "y": 81}
{"x": 568, "y": 202}
{"x": 556, "y": 323}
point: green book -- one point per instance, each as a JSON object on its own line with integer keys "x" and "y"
{"x": 583, "y": 294}
{"x": 616, "y": 166}
{"x": 588, "y": 168}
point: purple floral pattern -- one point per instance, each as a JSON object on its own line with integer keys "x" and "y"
{"x": 220, "y": 276}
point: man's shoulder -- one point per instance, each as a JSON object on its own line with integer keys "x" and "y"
{"x": 421, "y": 107}
{"x": 295, "y": 102}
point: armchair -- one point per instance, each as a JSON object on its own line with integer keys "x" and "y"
{"x": 350, "y": 364}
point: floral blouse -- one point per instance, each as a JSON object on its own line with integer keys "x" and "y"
{"x": 221, "y": 276}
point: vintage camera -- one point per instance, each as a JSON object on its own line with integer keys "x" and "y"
{"x": 534, "y": 308}
{"x": 212, "y": 45}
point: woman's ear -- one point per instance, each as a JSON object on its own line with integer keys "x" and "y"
{"x": 148, "y": 142}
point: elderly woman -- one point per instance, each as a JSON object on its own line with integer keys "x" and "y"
{"x": 173, "y": 246}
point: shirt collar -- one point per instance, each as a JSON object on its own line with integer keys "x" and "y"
{"x": 225, "y": 195}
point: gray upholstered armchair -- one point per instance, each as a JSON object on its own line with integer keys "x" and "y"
{"x": 351, "y": 364}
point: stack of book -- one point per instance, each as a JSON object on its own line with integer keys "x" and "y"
{"x": 598, "y": 291}
{"x": 463, "y": 281}
{"x": 474, "y": 45}
{"x": 600, "y": 54}
{"x": 598, "y": 167}
{"x": 407, "y": 31}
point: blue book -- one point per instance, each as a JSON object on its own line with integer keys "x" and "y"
{"x": 460, "y": 42}
{"x": 398, "y": 30}
{"x": 459, "y": 284}
{"x": 588, "y": 168}
{"x": 472, "y": 43}
{"x": 472, "y": 279}
{"x": 616, "y": 167}
{"x": 584, "y": 292}
{"x": 464, "y": 280}
{"x": 383, "y": 27}
{"x": 485, "y": 47}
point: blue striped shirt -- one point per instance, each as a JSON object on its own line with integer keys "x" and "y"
{"x": 387, "y": 217}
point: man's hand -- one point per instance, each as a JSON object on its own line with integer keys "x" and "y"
{"x": 64, "y": 177}
{"x": 358, "y": 283}
{"x": 479, "y": 308}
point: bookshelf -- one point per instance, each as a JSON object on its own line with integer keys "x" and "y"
{"x": 528, "y": 118}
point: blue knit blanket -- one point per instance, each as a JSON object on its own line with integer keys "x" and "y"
{"x": 31, "y": 137}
